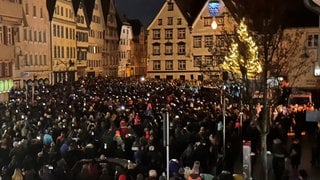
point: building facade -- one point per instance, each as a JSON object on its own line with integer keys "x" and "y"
{"x": 82, "y": 37}
{"x": 125, "y": 49}
{"x": 33, "y": 68}
{"x": 110, "y": 52}
{"x": 63, "y": 42}
{"x": 11, "y": 18}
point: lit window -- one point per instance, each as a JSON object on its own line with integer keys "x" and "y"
{"x": 208, "y": 41}
{"x": 197, "y": 41}
{"x": 156, "y": 49}
{"x": 181, "y": 48}
{"x": 181, "y": 64}
{"x": 170, "y": 20}
{"x": 168, "y": 49}
{"x": 168, "y": 33}
{"x": 156, "y": 65}
{"x": 179, "y": 21}
{"x": 181, "y": 33}
{"x": 169, "y": 64}
{"x": 207, "y": 21}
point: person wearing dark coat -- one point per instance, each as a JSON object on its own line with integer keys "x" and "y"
{"x": 295, "y": 154}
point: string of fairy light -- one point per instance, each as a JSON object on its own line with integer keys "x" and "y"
{"x": 235, "y": 62}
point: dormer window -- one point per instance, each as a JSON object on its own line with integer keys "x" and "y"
{"x": 170, "y": 6}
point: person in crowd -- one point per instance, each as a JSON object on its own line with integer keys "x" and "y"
{"x": 279, "y": 157}
{"x": 295, "y": 154}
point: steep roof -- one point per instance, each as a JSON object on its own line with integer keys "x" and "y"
{"x": 89, "y": 4}
{"x": 136, "y": 26}
{"x": 105, "y": 4}
{"x": 190, "y": 8}
{"x": 50, "y": 7}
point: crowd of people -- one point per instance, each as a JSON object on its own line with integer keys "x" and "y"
{"x": 67, "y": 131}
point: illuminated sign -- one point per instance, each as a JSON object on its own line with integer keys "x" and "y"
{"x": 214, "y": 8}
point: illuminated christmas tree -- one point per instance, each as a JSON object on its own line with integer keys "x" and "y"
{"x": 242, "y": 58}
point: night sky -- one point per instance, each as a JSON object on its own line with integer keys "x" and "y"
{"x": 144, "y": 10}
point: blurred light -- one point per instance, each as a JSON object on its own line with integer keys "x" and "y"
{"x": 214, "y": 24}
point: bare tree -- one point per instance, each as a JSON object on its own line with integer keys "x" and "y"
{"x": 266, "y": 20}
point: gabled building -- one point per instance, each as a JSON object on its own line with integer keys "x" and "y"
{"x": 132, "y": 49}
{"x": 95, "y": 39}
{"x": 82, "y": 36}
{"x": 126, "y": 36}
{"x": 34, "y": 65}
{"x": 170, "y": 40}
{"x": 208, "y": 40}
{"x": 138, "y": 59}
{"x": 11, "y": 17}
{"x": 63, "y": 40}
{"x": 110, "y": 52}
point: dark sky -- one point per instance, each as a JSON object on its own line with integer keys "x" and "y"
{"x": 144, "y": 10}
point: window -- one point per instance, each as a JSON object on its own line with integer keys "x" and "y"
{"x": 54, "y": 30}
{"x": 67, "y": 35}
{"x": 208, "y": 40}
{"x": 181, "y": 48}
{"x": 170, "y": 20}
{"x": 30, "y": 35}
{"x": 34, "y": 11}
{"x": 156, "y": 34}
{"x": 41, "y": 12}
{"x": 312, "y": 40}
{"x": 61, "y": 11}
{"x": 156, "y": 65}
{"x": 26, "y": 60}
{"x": 35, "y": 35}
{"x": 181, "y": 33}
{"x": 220, "y": 20}
{"x": 207, "y": 21}
{"x": 168, "y": 33}
{"x": 30, "y": 59}
{"x": 179, "y": 21}
{"x": 170, "y": 6}
{"x": 1, "y": 35}
{"x": 168, "y": 49}
{"x": 58, "y": 31}
{"x": 45, "y": 59}
{"x": 25, "y": 34}
{"x": 181, "y": 64}
{"x": 197, "y": 61}
{"x": 58, "y": 52}
{"x": 40, "y": 60}
{"x": 197, "y": 41}
{"x": 62, "y": 32}
{"x": 156, "y": 49}
{"x": 62, "y": 52}
{"x": 40, "y": 36}
{"x": 36, "y": 60}
{"x": 44, "y": 37}
{"x": 27, "y": 8}
{"x": 220, "y": 41}
{"x": 8, "y": 35}
{"x": 169, "y": 64}
{"x": 208, "y": 60}
{"x": 159, "y": 22}
{"x": 55, "y": 51}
